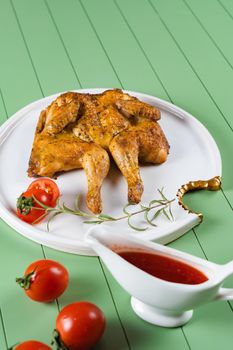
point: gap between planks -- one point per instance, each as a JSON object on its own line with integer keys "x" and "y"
{"x": 62, "y": 41}
{"x": 3, "y": 329}
{"x": 98, "y": 38}
{"x": 225, "y": 9}
{"x": 207, "y": 33}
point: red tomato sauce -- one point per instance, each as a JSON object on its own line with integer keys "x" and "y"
{"x": 164, "y": 267}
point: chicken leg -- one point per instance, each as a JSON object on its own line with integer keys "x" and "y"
{"x": 66, "y": 152}
{"x": 145, "y": 142}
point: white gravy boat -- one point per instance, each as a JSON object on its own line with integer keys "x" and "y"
{"x": 157, "y": 301}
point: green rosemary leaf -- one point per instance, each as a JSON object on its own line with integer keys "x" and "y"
{"x": 71, "y": 211}
{"x": 166, "y": 214}
{"x": 51, "y": 218}
{"x": 163, "y": 205}
{"x": 41, "y": 204}
{"x": 156, "y": 214}
{"x": 148, "y": 220}
{"x": 157, "y": 201}
{"x": 93, "y": 222}
{"x": 78, "y": 213}
{"x": 106, "y": 217}
{"x": 67, "y": 208}
{"x": 135, "y": 227}
{"x": 162, "y": 194}
{"x": 39, "y": 218}
{"x": 127, "y": 206}
{"x": 170, "y": 212}
{"x": 144, "y": 206}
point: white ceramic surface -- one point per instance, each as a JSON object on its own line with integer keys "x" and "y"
{"x": 193, "y": 156}
{"x": 157, "y": 301}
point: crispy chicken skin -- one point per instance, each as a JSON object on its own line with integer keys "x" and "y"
{"x": 55, "y": 149}
{"x": 144, "y": 142}
{"x": 61, "y": 112}
{"x": 78, "y": 131}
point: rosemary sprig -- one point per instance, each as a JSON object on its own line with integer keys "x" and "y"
{"x": 155, "y": 208}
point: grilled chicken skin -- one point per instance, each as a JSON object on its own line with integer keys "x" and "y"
{"x": 78, "y": 131}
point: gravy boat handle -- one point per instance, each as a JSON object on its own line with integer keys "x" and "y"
{"x": 226, "y": 293}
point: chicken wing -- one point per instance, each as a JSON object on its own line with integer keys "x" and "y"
{"x": 61, "y": 112}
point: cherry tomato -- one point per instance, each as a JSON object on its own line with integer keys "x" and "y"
{"x": 48, "y": 186}
{"x": 79, "y": 326}
{"x": 28, "y": 209}
{"x": 31, "y": 345}
{"x": 44, "y": 280}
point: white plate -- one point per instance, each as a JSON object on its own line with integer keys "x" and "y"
{"x": 194, "y": 155}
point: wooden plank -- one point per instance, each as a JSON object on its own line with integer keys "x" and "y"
{"x": 215, "y": 232}
{"x": 49, "y": 58}
{"x": 210, "y": 327}
{"x": 3, "y": 343}
{"x": 86, "y": 53}
{"x": 127, "y": 58}
{"x": 208, "y": 13}
{"x": 228, "y": 6}
{"x": 176, "y": 76}
{"x": 200, "y": 51}
{"x": 19, "y": 84}
{"x": 3, "y": 113}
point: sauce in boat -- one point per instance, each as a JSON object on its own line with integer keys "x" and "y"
{"x": 164, "y": 267}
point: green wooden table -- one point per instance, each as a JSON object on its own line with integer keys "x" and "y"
{"x": 180, "y": 51}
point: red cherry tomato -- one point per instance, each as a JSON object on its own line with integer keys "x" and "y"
{"x": 48, "y": 186}
{"x": 31, "y": 345}
{"x": 28, "y": 209}
{"x": 79, "y": 326}
{"x": 44, "y": 280}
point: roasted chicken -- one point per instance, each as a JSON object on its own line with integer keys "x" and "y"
{"x": 79, "y": 130}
